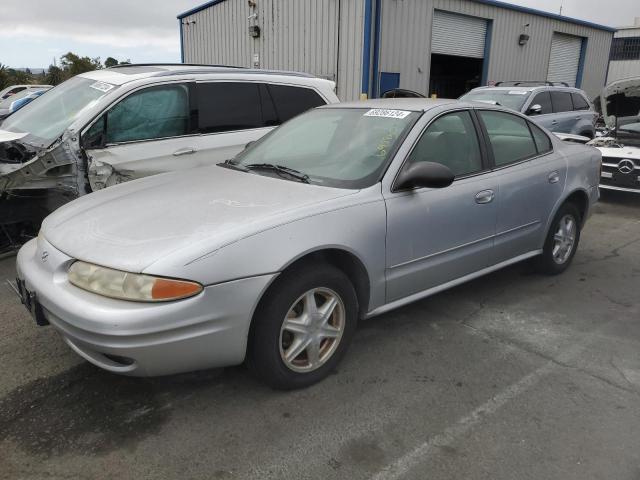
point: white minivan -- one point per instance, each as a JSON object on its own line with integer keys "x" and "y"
{"x": 104, "y": 127}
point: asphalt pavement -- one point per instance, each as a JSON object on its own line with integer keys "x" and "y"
{"x": 512, "y": 376}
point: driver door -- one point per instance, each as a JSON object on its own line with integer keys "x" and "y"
{"x": 435, "y": 236}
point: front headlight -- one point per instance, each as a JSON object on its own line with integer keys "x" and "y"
{"x": 129, "y": 286}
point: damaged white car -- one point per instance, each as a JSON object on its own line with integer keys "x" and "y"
{"x": 620, "y": 142}
{"x": 108, "y": 126}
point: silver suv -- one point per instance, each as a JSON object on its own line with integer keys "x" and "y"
{"x": 561, "y": 109}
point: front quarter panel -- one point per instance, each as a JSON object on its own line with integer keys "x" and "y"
{"x": 358, "y": 228}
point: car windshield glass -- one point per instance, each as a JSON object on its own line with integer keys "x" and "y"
{"x": 337, "y": 147}
{"x": 513, "y": 99}
{"x": 46, "y": 119}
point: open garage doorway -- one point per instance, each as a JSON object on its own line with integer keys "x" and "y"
{"x": 452, "y": 76}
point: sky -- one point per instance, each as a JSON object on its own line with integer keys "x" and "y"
{"x": 33, "y": 32}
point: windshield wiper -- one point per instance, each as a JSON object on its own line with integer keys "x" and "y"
{"x": 292, "y": 172}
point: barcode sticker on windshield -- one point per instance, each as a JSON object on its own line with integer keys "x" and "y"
{"x": 518, "y": 92}
{"x": 382, "y": 112}
{"x": 102, "y": 86}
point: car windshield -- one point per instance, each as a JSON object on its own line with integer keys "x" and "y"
{"x": 513, "y": 99}
{"x": 337, "y": 147}
{"x": 46, "y": 119}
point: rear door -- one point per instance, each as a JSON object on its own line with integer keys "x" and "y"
{"x": 530, "y": 177}
{"x": 563, "y": 115}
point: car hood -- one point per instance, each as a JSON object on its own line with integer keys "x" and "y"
{"x": 6, "y": 136}
{"x": 629, "y": 87}
{"x": 132, "y": 225}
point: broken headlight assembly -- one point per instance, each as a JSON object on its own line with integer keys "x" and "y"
{"x": 135, "y": 287}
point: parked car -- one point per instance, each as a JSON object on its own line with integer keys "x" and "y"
{"x": 620, "y": 141}
{"x": 108, "y": 126}
{"x": 17, "y": 101}
{"x": 559, "y": 109}
{"x": 343, "y": 213}
{"x": 13, "y": 89}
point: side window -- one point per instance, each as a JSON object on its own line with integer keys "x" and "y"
{"x": 451, "y": 140}
{"x": 292, "y": 101}
{"x": 543, "y": 143}
{"x": 561, "y": 102}
{"x": 579, "y": 103}
{"x": 544, "y": 100}
{"x": 509, "y": 136}
{"x": 94, "y": 136}
{"x": 155, "y": 112}
{"x": 229, "y": 106}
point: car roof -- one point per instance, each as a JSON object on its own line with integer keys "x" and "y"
{"x": 411, "y": 104}
{"x": 121, "y": 74}
{"x": 528, "y": 88}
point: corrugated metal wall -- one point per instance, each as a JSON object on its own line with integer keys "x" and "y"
{"x": 321, "y": 37}
{"x": 405, "y": 44}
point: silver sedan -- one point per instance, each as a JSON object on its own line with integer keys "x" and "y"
{"x": 343, "y": 213}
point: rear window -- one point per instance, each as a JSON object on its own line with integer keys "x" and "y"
{"x": 292, "y": 101}
{"x": 561, "y": 102}
{"x": 229, "y": 106}
{"x": 543, "y": 142}
{"x": 579, "y": 103}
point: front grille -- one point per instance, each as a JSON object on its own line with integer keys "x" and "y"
{"x": 621, "y": 172}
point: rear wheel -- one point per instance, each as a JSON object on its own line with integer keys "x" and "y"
{"x": 302, "y": 327}
{"x": 562, "y": 241}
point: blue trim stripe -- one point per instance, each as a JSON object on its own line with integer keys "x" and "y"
{"x": 583, "y": 54}
{"x": 541, "y": 13}
{"x": 375, "y": 88}
{"x": 181, "y": 41}
{"x": 366, "y": 47}
{"x": 199, "y": 8}
{"x": 487, "y": 53}
{"x": 494, "y": 3}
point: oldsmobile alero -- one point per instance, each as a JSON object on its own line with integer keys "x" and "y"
{"x": 345, "y": 212}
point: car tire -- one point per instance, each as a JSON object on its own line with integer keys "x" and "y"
{"x": 562, "y": 240}
{"x": 273, "y": 343}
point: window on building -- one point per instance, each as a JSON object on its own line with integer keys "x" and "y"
{"x": 229, "y": 106}
{"x": 292, "y": 101}
{"x": 156, "y": 112}
{"x": 627, "y": 48}
{"x": 509, "y": 136}
{"x": 561, "y": 102}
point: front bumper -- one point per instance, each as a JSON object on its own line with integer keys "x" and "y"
{"x": 142, "y": 339}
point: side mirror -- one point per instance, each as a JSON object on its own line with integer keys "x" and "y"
{"x": 535, "y": 109}
{"x": 425, "y": 174}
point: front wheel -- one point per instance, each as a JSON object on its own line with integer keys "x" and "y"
{"x": 303, "y": 327}
{"x": 562, "y": 241}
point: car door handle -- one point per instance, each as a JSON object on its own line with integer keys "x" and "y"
{"x": 184, "y": 151}
{"x": 554, "y": 122}
{"x": 485, "y": 196}
{"x": 554, "y": 177}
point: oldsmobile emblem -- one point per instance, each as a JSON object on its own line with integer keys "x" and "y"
{"x": 44, "y": 256}
{"x": 626, "y": 166}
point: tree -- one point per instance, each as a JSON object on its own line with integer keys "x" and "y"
{"x": 73, "y": 64}
{"x": 110, "y": 62}
{"x": 54, "y": 76}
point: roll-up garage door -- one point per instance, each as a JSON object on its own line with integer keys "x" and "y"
{"x": 564, "y": 58}
{"x": 460, "y": 35}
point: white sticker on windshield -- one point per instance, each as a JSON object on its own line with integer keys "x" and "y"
{"x": 518, "y": 92}
{"x": 382, "y": 112}
{"x": 102, "y": 86}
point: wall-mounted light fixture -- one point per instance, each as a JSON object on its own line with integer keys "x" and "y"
{"x": 524, "y": 36}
